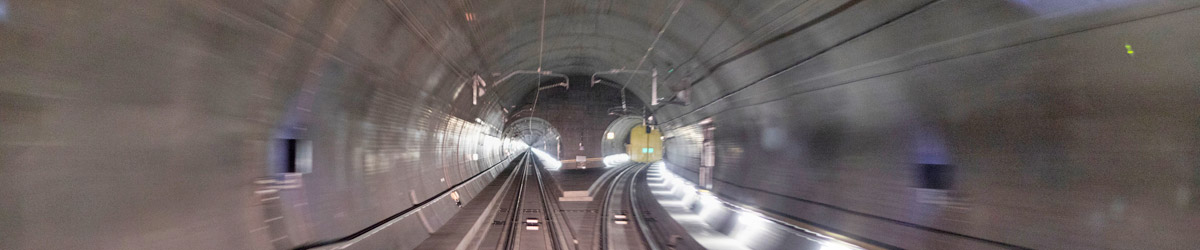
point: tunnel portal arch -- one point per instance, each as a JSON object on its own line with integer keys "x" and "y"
{"x": 619, "y": 129}
{"x": 535, "y": 133}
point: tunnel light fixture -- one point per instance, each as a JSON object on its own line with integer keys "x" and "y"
{"x": 611, "y": 135}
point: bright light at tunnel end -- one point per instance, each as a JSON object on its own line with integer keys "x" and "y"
{"x": 548, "y": 160}
{"x": 615, "y": 160}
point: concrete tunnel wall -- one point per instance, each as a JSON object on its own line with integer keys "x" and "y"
{"x": 1060, "y": 138}
{"x": 144, "y": 124}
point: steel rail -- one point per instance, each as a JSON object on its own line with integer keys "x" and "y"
{"x": 510, "y": 238}
{"x": 556, "y": 241}
{"x": 602, "y": 233}
{"x": 637, "y": 214}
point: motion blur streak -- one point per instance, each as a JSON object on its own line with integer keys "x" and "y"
{"x": 615, "y": 160}
{"x": 912, "y": 124}
{"x": 549, "y": 160}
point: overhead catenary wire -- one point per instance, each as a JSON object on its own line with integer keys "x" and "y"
{"x": 623, "y": 85}
{"x": 678, "y": 6}
{"x": 541, "y": 46}
{"x": 404, "y": 12}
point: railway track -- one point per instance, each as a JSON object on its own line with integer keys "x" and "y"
{"x": 624, "y": 181}
{"x": 525, "y": 218}
{"x": 531, "y": 200}
{"x": 556, "y": 237}
{"x": 509, "y": 239}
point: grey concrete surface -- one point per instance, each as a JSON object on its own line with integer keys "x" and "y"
{"x": 151, "y": 124}
{"x": 1061, "y": 138}
{"x": 462, "y": 229}
{"x": 144, "y": 124}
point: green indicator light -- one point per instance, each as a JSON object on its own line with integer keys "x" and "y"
{"x": 1129, "y": 49}
{"x": 671, "y": 70}
{"x": 651, "y": 150}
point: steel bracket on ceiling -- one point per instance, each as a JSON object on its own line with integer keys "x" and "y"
{"x": 480, "y": 85}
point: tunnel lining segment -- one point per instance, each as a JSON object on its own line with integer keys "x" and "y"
{"x": 799, "y": 62}
{"x": 891, "y": 68}
{"x": 365, "y": 232}
{"x": 853, "y": 212}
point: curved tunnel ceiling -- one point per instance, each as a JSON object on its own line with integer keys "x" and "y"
{"x": 820, "y": 109}
{"x": 581, "y": 38}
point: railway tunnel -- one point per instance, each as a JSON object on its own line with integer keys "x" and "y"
{"x": 467, "y": 124}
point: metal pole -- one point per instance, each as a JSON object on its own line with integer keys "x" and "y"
{"x": 654, "y": 87}
{"x": 654, "y": 74}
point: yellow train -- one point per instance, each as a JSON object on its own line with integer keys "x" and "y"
{"x": 643, "y": 146}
